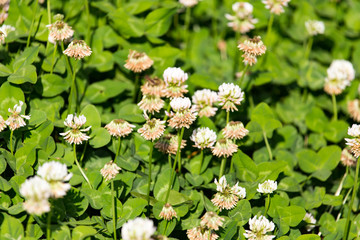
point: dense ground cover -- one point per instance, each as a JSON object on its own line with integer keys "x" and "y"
{"x": 283, "y": 172}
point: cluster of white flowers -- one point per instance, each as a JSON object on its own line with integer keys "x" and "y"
{"x": 203, "y": 138}
{"x": 269, "y": 186}
{"x": 229, "y": 96}
{"x": 138, "y": 229}
{"x": 16, "y": 119}
{"x": 310, "y": 220}
{"x": 339, "y": 76}
{"x": 226, "y": 196}
{"x": 50, "y": 182}
{"x": 75, "y": 134}
{"x": 243, "y": 20}
{"x": 259, "y": 226}
{"x": 314, "y": 27}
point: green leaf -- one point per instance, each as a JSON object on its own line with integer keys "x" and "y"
{"x": 53, "y": 85}
{"x": 4, "y": 71}
{"x": 99, "y": 137}
{"x": 9, "y": 96}
{"x": 316, "y": 120}
{"x": 336, "y": 131}
{"x": 246, "y": 169}
{"x": 290, "y": 216}
{"x": 131, "y": 113}
{"x": 230, "y": 231}
{"x": 26, "y": 73}
{"x": 82, "y": 232}
{"x": 126, "y": 24}
{"x": 133, "y": 207}
{"x": 241, "y": 213}
{"x": 11, "y": 228}
{"x": 61, "y": 233}
{"x": 92, "y": 115}
{"x": 100, "y": 92}
{"x": 264, "y": 116}
{"x": 159, "y": 21}
{"x": 26, "y": 58}
{"x": 308, "y": 237}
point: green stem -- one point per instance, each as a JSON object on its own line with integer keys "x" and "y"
{"x": 167, "y": 110}
{"x": 186, "y": 30}
{"x": 227, "y": 117}
{"x": 136, "y": 91}
{"x": 179, "y": 149}
{"x": 333, "y": 97}
{"x": 214, "y": 21}
{"x": 149, "y": 180}
{"x": 88, "y": 21}
{"x": 209, "y": 234}
{"x": 201, "y": 160}
{"x": 267, "y": 204}
{"x": 267, "y": 145}
{"x": 222, "y": 167}
{"x": 53, "y": 58}
{"x": 32, "y": 24}
{"x": 166, "y": 227}
{"x": 78, "y": 165}
{"x": 118, "y": 150}
{"x": 355, "y": 189}
{"x": 49, "y": 11}
{"x": 66, "y": 59}
{"x": 169, "y": 159}
{"x": 48, "y": 226}
{"x": 237, "y": 53}
{"x": 308, "y": 47}
{"x": 11, "y": 142}
{"x": 28, "y": 226}
{"x": 340, "y": 187}
{"x": 84, "y": 151}
{"x": 269, "y": 28}
{"x": 243, "y": 74}
{"x": 113, "y": 207}
{"x": 73, "y": 90}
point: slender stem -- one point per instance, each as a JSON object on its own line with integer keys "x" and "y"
{"x": 237, "y": 53}
{"x": 28, "y": 226}
{"x": 166, "y": 227}
{"x": 201, "y": 160}
{"x": 73, "y": 90}
{"x": 84, "y": 150}
{"x": 48, "y": 226}
{"x": 267, "y": 145}
{"x": 333, "y": 97}
{"x": 222, "y": 167}
{"x": 214, "y": 21}
{"x": 169, "y": 159}
{"x": 149, "y": 180}
{"x": 243, "y": 74}
{"x": 118, "y": 150}
{"x": 308, "y": 47}
{"x": 88, "y": 20}
{"x": 167, "y": 110}
{"x": 53, "y": 59}
{"x": 340, "y": 187}
{"x": 136, "y": 91}
{"x": 186, "y": 29}
{"x": 343, "y": 203}
{"x": 267, "y": 204}
{"x": 78, "y": 165}
{"x": 209, "y": 234}
{"x": 179, "y": 149}
{"x": 32, "y": 24}
{"x": 66, "y": 59}
{"x": 355, "y": 189}
{"x": 269, "y": 28}
{"x": 11, "y": 142}
{"x": 113, "y": 207}
{"x": 49, "y": 11}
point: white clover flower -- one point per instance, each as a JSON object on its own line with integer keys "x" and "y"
{"x": 341, "y": 69}
{"x": 119, "y": 128}
{"x": 110, "y": 170}
{"x": 173, "y": 75}
{"x": 276, "y": 6}
{"x": 36, "y": 192}
{"x": 242, "y": 9}
{"x": 310, "y": 220}
{"x": 75, "y": 134}
{"x": 56, "y": 174}
{"x": 153, "y": 129}
{"x": 203, "y": 102}
{"x": 258, "y": 229}
{"x": 237, "y": 190}
{"x": 6, "y": 29}
{"x": 221, "y": 185}
{"x": 184, "y": 115}
{"x": 180, "y": 104}
{"x": 2, "y": 124}
{"x": 138, "y": 229}
{"x": 354, "y": 130}
{"x": 189, "y": 3}
{"x": 229, "y": 96}
{"x": 203, "y": 138}
{"x": 315, "y": 27}
{"x": 16, "y": 120}
{"x": 268, "y": 186}
{"x": 226, "y": 196}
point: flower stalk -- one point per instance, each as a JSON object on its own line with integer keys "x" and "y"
{"x": 149, "y": 180}
{"x": 113, "y": 207}
{"x": 81, "y": 170}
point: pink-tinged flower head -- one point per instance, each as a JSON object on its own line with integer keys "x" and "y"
{"x": 203, "y": 138}
{"x": 78, "y": 49}
{"x": 276, "y": 6}
{"x": 183, "y": 115}
{"x": 110, "y": 170}
{"x": 242, "y": 9}
{"x": 174, "y": 79}
{"x": 189, "y": 3}
{"x": 353, "y": 107}
{"x": 153, "y": 86}
{"x": 138, "y": 61}
{"x": 2, "y": 124}
{"x": 119, "y": 128}
{"x": 354, "y": 143}
{"x": 16, "y": 120}
{"x": 201, "y": 233}
{"x": 168, "y": 212}
{"x": 224, "y": 148}
{"x": 36, "y": 192}
{"x": 203, "y": 102}
{"x": 151, "y": 103}
{"x": 235, "y": 130}
{"x": 138, "y": 229}
{"x": 212, "y": 220}
{"x": 230, "y": 95}
{"x": 252, "y": 48}
{"x": 168, "y": 144}
{"x": 226, "y": 196}
{"x": 59, "y": 30}
{"x": 347, "y": 159}
{"x": 75, "y": 135}
{"x": 4, "y": 8}
{"x": 152, "y": 129}
{"x": 6, "y": 29}
{"x": 258, "y": 229}
{"x": 339, "y": 76}
{"x": 243, "y": 20}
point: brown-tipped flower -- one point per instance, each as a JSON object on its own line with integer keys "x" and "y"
{"x": 224, "y": 148}
{"x": 119, "y": 128}
{"x": 138, "y": 61}
{"x": 153, "y": 86}
{"x": 78, "y": 49}
{"x": 174, "y": 79}
{"x": 169, "y": 144}
{"x": 200, "y": 233}
{"x": 59, "y": 30}
{"x": 354, "y": 109}
{"x": 168, "y": 212}
{"x": 203, "y": 102}
{"x": 4, "y": 8}
{"x": 151, "y": 103}
{"x": 16, "y": 120}
{"x": 2, "y": 124}
{"x": 347, "y": 159}
{"x": 183, "y": 115}
{"x": 252, "y": 48}
{"x": 152, "y": 129}
{"x": 230, "y": 95}
{"x": 110, "y": 170}
{"x": 276, "y": 6}
{"x": 235, "y": 130}
{"x": 212, "y": 220}
{"x": 2, "y": 37}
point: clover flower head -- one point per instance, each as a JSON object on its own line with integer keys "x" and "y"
{"x": 258, "y": 228}
{"x": 59, "y": 30}
{"x": 226, "y": 196}
{"x": 168, "y": 144}
{"x": 2, "y": 124}
{"x": 16, "y": 120}
{"x": 212, "y": 220}
{"x": 339, "y": 76}
{"x": 153, "y": 86}
{"x": 310, "y": 220}
{"x": 201, "y": 233}
{"x": 269, "y": 186}
{"x": 184, "y": 115}
{"x": 203, "y": 102}
{"x": 353, "y": 107}
{"x": 78, "y": 49}
{"x": 314, "y": 27}
{"x": 119, "y": 128}
{"x": 224, "y": 148}
{"x": 347, "y": 159}
{"x": 174, "y": 79}
{"x": 138, "y": 229}
{"x": 138, "y": 61}
{"x": 235, "y": 130}
{"x": 230, "y": 95}
{"x": 153, "y": 129}
{"x": 151, "y": 103}
{"x": 189, "y": 3}
{"x": 203, "y": 138}
{"x": 6, "y": 29}
{"x": 75, "y": 135}
{"x": 276, "y": 6}
{"x": 168, "y": 212}
{"x": 110, "y": 170}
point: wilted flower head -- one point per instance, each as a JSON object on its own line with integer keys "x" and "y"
{"x": 276, "y": 6}
{"x": 203, "y": 138}
{"x": 2, "y": 124}
{"x": 119, "y": 128}
{"x": 153, "y": 86}
{"x": 78, "y": 49}
{"x": 243, "y": 20}
{"x": 138, "y": 229}
{"x": 169, "y": 144}
{"x": 258, "y": 229}
{"x": 56, "y": 175}
{"x": 175, "y": 82}
{"x": 269, "y": 186}
{"x": 315, "y": 27}
{"x": 6, "y": 29}
{"x": 152, "y": 129}
{"x": 16, "y": 120}
{"x": 224, "y": 148}
{"x": 36, "y": 192}
{"x": 189, "y": 3}
{"x": 151, "y": 103}
{"x": 75, "y": 134}
{"x": 310, "y": 220}
{"x": 110, "y": 170}
{"x": 347, "y": 159}
{"x": 201, "y": 233}
{"x": 203, "y": 102}
{"x": 229, "y": 96}
{"x": 339, "y": 75}
{"x": 184, "y": 115}
{"x": 354, "y": 130}
{"x": 226, "y": 196}
{"x": 59, "y": 30}
{"x": 354, "y": 143}
{"x": 252, "y": 48}
{"x": 211, "y": 220}
{"x": 353, "y": 107}
{"x": 235, "y": 130}
{"x": 4, "y": 8}
{"x": 168, "y": 212}
{"x": 138, "y": 61}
